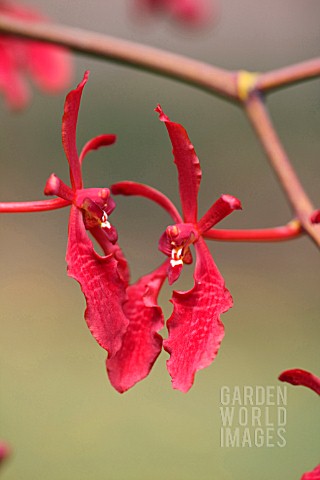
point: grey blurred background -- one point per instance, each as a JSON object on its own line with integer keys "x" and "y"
{"x": 58, "y": 412}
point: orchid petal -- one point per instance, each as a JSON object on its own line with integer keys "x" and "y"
{"x": 195, "y": 329}
{"x": 314, "y": 475}
{"x": 5, "y": 451}
{"x": 101, "y": 284}
{"x": 141, "y": 344}
{"x": 174, "y": 272}
{"x": 196, "y": 13}
{"x": 225, "y": 205}
{"x": 187, "y": 162}
{"x": 141, "y": 190}
{"x": 49, "y": 66}
{"x": 109, "y": 248}
{"x": 100, "y": 141}
{"x": 69, "y": 126}
{"x": 296, "y": 376}
{"x": 55, "y": 186}
{"x": 12, "y": 84}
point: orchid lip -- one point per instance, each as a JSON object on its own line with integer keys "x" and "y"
{"x": 104, "y": 221}
{"x": 176, "y": 257}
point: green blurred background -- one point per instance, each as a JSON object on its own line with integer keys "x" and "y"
{"x": 60, "y": 415}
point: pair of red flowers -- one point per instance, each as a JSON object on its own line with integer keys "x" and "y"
{"x": 123, "y": 318}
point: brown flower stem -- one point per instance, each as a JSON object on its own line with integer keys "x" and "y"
{"x": 190, "y": 71}
{"x": 288, "y": 75}
{"x": 277, "y": 234}
{"x": 280, "y": 162}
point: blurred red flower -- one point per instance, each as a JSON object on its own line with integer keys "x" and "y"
{"x": 195, "y": 13}
{"x": 49, "y": 66}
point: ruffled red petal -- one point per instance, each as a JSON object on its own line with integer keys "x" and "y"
{"x": 195, "y": 329}
{"x": 69, "y": 127}
{"x": 187, "y": 162}
{"x": 141, "y": 344}
{"x": 296, "y": 376}
{"x": 101, "y": 284}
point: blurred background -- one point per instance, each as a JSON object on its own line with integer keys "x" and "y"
{"x": 59, "y": 413}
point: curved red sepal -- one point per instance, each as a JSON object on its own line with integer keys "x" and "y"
{"x": 314, "y": 475}
{"x": 95, "y": 143}
{"x": 141, "y": 190}
{"x": 187, "y": 162}
{"x": 101, "y": 284}
{"x": 296, "y": 376}
{"x": 69, "y": 127}
{"x": 195, "y": 329}
{"x": 222, "y": 207}
{"x": 141, "y": 344}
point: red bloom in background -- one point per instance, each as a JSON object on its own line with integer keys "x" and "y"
{"x": 195, "y": 13}
{"x": 49, "y": 66}
{"x": 195, "y": 329}
{"x": 297, "y": 376}
{"x": 4, "y": 451}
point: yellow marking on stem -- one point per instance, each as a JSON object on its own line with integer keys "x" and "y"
{"x": 246, "y": 83}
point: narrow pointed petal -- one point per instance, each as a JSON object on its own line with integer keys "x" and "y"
{"x": 187, "y": 162}
{"x": 141, "y": 343}
{"x": 55, "y": 186}
{"x": 195, "y": 329}
{"x": 314, "y": 475}
{"x": 101, "y": 284}
{"x": 69, "y": 127}
{"x": 100, "y": 141}
{"x": 225, "y": 205}
{"x": 296, "y": 376}
{"x": 141, "y": 190}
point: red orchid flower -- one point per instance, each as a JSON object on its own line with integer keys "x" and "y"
{"x": 296, "y": 376}
{"x": 48, "y": 65}
{"x": 99, "y": 277}
{"x": 118, "y": 315}
{"x": 195, "y": 329}
{"x": 196, "y": 13}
